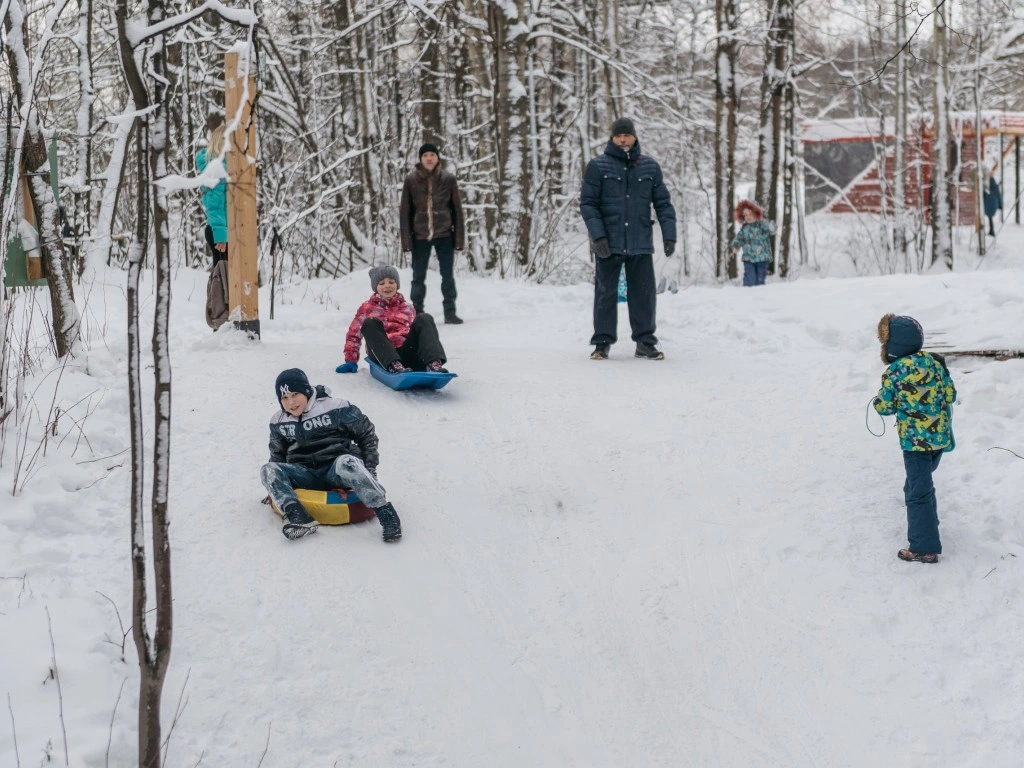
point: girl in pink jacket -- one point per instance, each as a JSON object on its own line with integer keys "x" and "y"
{"x": 396, "y": 337}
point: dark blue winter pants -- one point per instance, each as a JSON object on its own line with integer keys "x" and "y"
{"x": 922, "y": 511}
{"x": 754, "y": 272}
{"x": 347, "y": 471}
{"x": 641, "y": 298}
{"x": 445, "y": 249}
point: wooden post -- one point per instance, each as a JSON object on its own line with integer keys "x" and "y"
{"x": 243, "y": 274}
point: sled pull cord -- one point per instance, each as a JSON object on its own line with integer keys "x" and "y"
{"x": 867, "y": 413}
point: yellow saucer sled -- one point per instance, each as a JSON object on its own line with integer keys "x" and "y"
{"x": 337, "y": 507}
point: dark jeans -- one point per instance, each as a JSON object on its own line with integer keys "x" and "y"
{"x": 922, "y": 511}
{"x": 641, "y": 298}
{"x": 217, "y": 255}
{"x": 754, "y": 272}
{"x": 347, "y": 471}
{"x": 445, "y": 249}
{"x": 421, "y": 346}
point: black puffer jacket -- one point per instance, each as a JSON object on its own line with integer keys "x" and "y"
{"x": 329, "y": 427}
{"x": 619, "y": 189}
{"x": 431, "y": 208}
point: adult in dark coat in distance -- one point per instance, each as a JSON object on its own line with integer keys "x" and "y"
{"x": 620, "y": 187}
{"x": 430, "y": 217}
{"x": 991, "y": 197}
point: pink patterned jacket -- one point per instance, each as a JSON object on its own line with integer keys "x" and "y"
{"x": 396, "y": 313}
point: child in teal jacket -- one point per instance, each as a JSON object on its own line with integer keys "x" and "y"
{"x": 918, "y": 390}
{"x": 756, "y": 239}
{"x": 215, "y": 199}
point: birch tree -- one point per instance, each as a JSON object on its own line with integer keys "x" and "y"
{"x": 726, "y": 97}
{"x": 790, "y": 132}
{"x": 941, "y": 170}
{"x": 31, "y": 153}
{"x": 773, "y": 79}
{"x": 148, "y": 85}
{"x": 153, "y": 650}
{"x": 510, "y": 33}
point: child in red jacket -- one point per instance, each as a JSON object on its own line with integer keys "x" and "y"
{"x": 396, "y": 337}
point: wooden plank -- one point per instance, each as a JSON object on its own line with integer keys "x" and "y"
{"x": 997, "y": 354}
{"x": 33, "y": 262}
{"x": 243, "y": 274}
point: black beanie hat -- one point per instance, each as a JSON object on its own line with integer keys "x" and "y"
{"x": 428, "y": 147}
{"x": 290, "y": 381}
{"x": 383, "y": 272}
{"x": 623, "y": 125}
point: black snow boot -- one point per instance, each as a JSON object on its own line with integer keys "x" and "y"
{"x": 452, "y": 319}
{"x": 648, "y": 351}
{"x": 298, "y": 522}
{"x": 389, "y": 522}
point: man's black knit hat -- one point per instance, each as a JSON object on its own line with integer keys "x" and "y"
{"x": 428, "y": 147}
{"x": 623, "y": 125}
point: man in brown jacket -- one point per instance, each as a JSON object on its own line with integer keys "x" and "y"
{"x": 431, "y": 217}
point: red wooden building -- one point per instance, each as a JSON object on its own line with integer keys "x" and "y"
{"x": 846, "y": 161}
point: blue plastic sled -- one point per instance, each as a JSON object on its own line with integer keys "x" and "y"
{"x": 409, "y": 379}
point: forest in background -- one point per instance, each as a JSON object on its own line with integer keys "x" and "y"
{"x": 518, "y": 95}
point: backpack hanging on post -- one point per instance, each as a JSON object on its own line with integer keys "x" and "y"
{"x": 217, "y": 295}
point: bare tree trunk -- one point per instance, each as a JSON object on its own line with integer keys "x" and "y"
{"x": 512, "y": 118}
{"x": 610, "y": 33}
{"x": 941, "y": 170}
{"x": 82, "y": 184}
{"x": 65, "y": 318}
{"x": 430, "y": 82}
{"x": 499, "y": 241}
{"x": 791, "y": 140}
{"x": 900, "y": 142}
{"x": 464, "y": 82}
{"x": 369, "y": 140}
{"x": 726, "y": 96}
{"x": 153, "y": 653}
{"x": 484, "y": 85}
{"x": 979, "y": 140}
{"x": 769, "y": 145}
{"x": 519, "y": 111}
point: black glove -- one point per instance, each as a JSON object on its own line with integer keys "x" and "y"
{"x": 601, "y": 248}
{"x": 670, "y": 247}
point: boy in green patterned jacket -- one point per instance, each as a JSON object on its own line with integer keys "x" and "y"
{"x": 918, "y": 389}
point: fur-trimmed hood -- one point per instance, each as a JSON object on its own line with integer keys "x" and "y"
{"x": 900, "y": 335}
{"x": 748, "y": 205}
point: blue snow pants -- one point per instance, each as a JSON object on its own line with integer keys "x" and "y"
{"x": 922, "y": 510}
{"x": 754, "y": 272}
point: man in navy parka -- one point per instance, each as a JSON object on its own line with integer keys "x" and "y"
{"x": 619, "y": 189}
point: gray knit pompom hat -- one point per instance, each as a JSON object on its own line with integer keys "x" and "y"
{"x": 383, "y": 272}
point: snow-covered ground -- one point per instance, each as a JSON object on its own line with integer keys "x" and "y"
{"x": 631, "y": 563}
